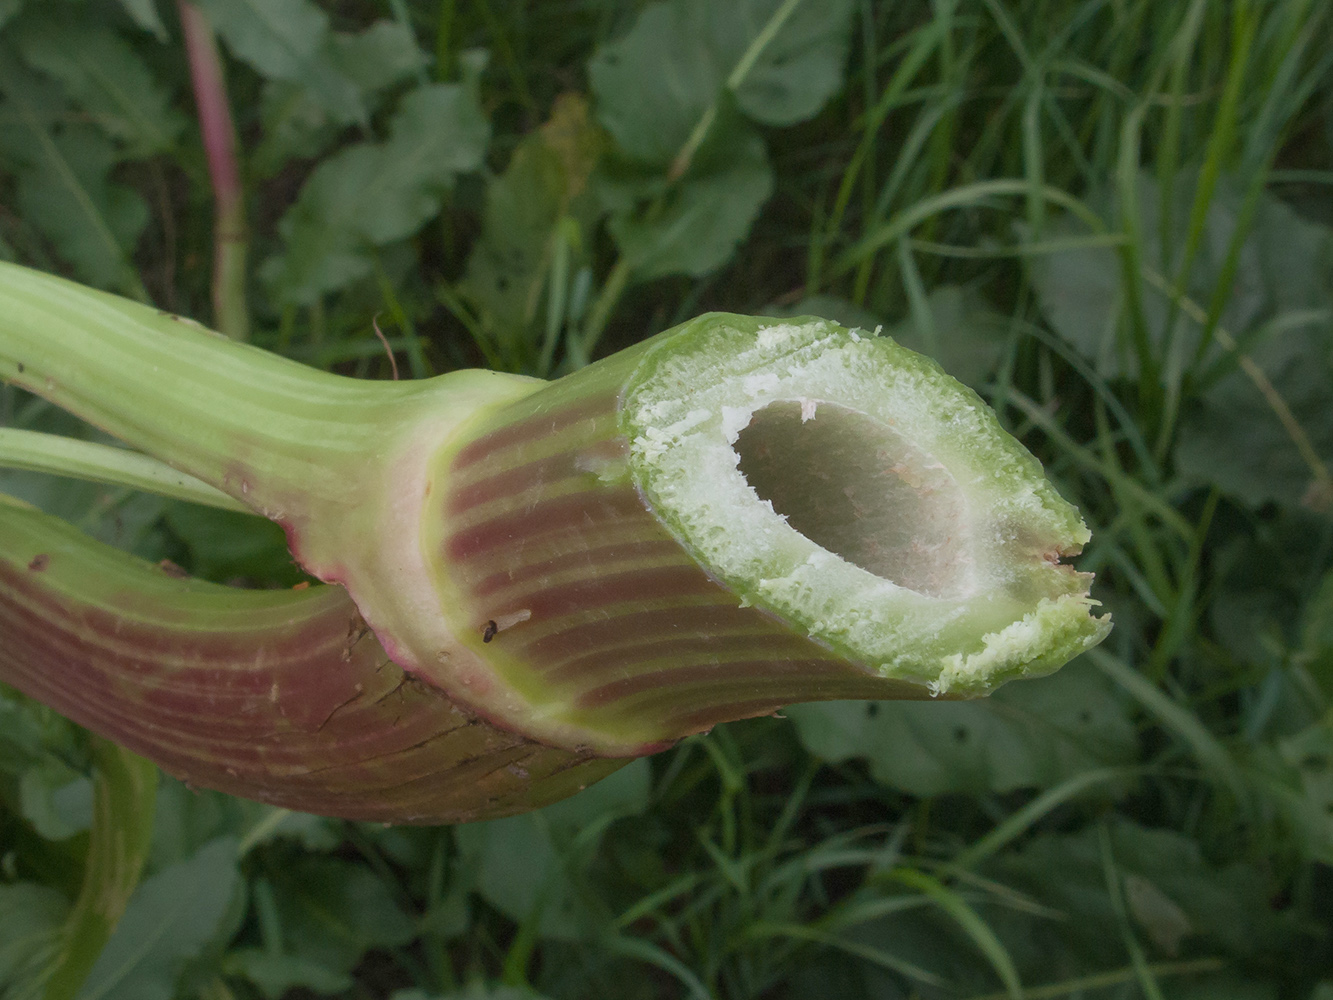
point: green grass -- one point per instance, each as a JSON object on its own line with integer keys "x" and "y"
{"x": 1105, "y": 215}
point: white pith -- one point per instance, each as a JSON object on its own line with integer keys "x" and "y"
{"x": 933, "y": 581}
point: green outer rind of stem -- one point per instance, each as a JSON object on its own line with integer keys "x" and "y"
{"x": 641, "y": 564}
{"x": 973, "y": 595}
{"x": 342, "y": 465}
{"x": 280, "y": 696}
{"x": 290, "y": 442}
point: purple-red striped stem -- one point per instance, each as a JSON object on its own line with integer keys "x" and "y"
{"x": 280, "y": 696}
{"x": 230, "y": 237}
{"x": 737, "y": 514}
{"x": 551, "y": 563}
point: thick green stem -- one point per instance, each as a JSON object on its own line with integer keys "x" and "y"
{"x": 735, "y": 515}
{"x": 587, "y": 609}
{"x": 300, "y": 446}
{"x": 259, "y": 427}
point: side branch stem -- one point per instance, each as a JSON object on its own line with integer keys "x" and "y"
{"x": 230, "y": 236}
{"x": 241, "y": 419}
{"x": 57, "y": 455}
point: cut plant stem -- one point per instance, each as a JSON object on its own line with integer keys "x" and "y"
{"x": 732, "y": 516}
{"x": 280, "y": 696}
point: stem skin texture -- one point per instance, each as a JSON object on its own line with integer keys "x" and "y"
{"x": 735, "y": 515}
{"x": 280, "y": 696}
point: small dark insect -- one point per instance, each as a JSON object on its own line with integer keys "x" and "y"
{"x": 488, "y": 633}
{"x": 172, "y": 570}
{"x": 22, "y": 369}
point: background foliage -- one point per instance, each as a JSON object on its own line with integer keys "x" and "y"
{"x": 1111, "y": 217}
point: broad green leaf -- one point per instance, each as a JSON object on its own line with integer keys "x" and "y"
{"x": 331, "y": 912}
{"x": 801, "y": 67}
{"x": 654, "y": 85}
{"x": 297, "y": 119}
{"x": 276, "y": 974}
{"x": 473, "y": 991}
{"x": 44, "y": 763}
{"x": 146, "y": 16}
{"x": 1234, "y": 438}
{"x": 288, "y": 40}
{"x": 108, "y": 80}
{"x": 703, "y": 218}
{"x": 63, "y": 185}
{"x": 1183, "y": 900}
{"x": 1030, "y": 735}
{"x": 1080, "y": 289}
{"x": 439, "y": 131}
{"x": 518, "y": 868}
{"x": 1264, "y": 576}
{"x": 295, "y": 124}
{"x": 523, "y": 865}
{"x": 1278, "y": 315}
{"x": 124, "y": 793}
{"x": 1310, "y": 754}
{"x": 279, "y": 38}
{"x": 508, "y": 268}
{"x": 334, "y": 911}
{"x": 225, "y": 546}
{"x": 8, "y": 8}
{"x": 378, "y": 57}
{"x": 34, "y": 737}
{"x": 372, "y": 194}
{"x": 57, "y": 803}
{"x": 30, "y": 920}
{"x": 170, "y": 920}
{"x": 960, "y": 331}
{"x": 188, "y": 818}
{"x": 1289, "y": 776}
{"x": 324, "y": 246}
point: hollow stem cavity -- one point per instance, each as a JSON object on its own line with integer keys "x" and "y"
{"x": 857, "y": 488}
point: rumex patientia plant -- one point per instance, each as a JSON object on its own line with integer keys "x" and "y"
{"x": 535, "y": 581}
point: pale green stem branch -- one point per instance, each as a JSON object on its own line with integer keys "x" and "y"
{"x": 99, "y": 463}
